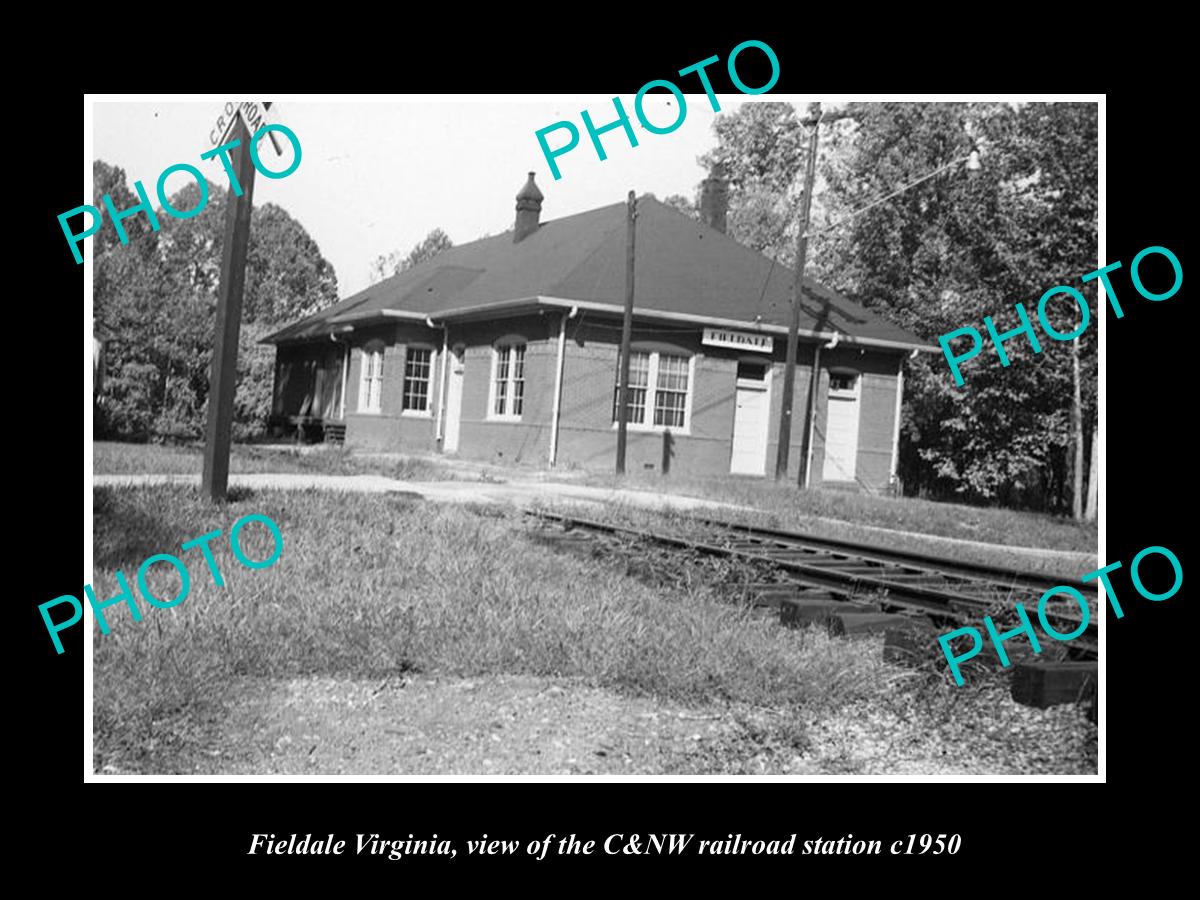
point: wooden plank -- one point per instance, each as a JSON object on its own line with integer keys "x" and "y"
{"x": 867, "y": 623}
{"x": 815, "y": 610}
{"x": 1045, "y": 683}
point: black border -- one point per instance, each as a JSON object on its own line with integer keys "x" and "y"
{"x": 1008, "y": 828}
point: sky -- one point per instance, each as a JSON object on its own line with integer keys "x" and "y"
{"x": 377, "y": 176}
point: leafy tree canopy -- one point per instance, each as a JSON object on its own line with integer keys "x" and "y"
{"x": 393, "y": 263}
{"x": 940, "y": 256}
{"x": 158, "y": 295}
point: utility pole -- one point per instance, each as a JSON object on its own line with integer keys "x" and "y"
{"x": 223, "y": 380}
{"x": 789, "y": 372}
{"x": 626, "y": 332}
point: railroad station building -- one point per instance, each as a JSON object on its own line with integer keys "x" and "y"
{"x": 506, "y": 349}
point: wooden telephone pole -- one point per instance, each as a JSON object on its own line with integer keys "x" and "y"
{"x": 789, "y": 372}
{"x": 626, "y": 332}
{"x": 214, "y": 482}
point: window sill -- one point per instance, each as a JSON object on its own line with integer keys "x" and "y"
{"x": 368, "y": 412}
{"x": 503, "y": 419}
{"x": 686, "y": 431}
{"x": 416, "y": 414}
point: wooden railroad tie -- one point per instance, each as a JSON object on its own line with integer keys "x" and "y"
{"x": 1044, "y": 683}
{"x": 864, "y": 623}
{"x": 777, "y": 595}
{"x": 837, "y": 616}
{"x": 814, "y": 609}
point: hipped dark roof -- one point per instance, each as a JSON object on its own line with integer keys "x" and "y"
{"x": 682, "y": 267}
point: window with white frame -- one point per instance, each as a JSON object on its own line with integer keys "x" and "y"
{"x": 508, "y": 381}
{"x": 843, "y": 384}
{"x": 418, "y": 369}
{"x": 370, "y": 385}
{"x": 658, "y": 383}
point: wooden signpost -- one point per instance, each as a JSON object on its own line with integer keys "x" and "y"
{"x": 218, "y": 430}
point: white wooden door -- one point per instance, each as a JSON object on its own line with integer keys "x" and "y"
{"x": 750, "y": 419}
{"x": 454, "y": 400}
{"x": 841, "y": 427}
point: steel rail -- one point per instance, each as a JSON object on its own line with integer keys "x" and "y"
{"x": 1002, "y": 575}
{"x": 846, "y": 576}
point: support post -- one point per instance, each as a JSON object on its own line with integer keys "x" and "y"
{"x": 556, "y": 412}
{"x": 810, "y": 419}
{"x": 896, "y": 426}
{"x": 626, "y": 332}
{"x": 439, "y": 432}
{"x": 345, "y": 378}
{"x": 214, "y": 481}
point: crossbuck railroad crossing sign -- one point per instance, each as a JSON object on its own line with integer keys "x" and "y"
{"x": 253, "y": 113}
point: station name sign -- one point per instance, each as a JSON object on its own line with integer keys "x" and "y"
{"x": 738, "y": 340}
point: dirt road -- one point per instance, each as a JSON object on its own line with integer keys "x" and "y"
{"x": 496, "y": 725}
{"x": 521, "y": 725}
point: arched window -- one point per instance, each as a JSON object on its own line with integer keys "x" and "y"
{"x": 508, "y": 378}
{"x": 370, "y": 384}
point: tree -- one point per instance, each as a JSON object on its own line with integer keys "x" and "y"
{"x": 940, "y": 256}
{"x": 763, "y": 148}
{"x": 159, "y": 294}
{"x": 760, "y": 143}
{"x": 1059, "y": 184}
{"x": 111, "y": 180}
{"x": 682, "y": 204}
{"x": 962, "y": 246}
{"x": 393, "y": 264}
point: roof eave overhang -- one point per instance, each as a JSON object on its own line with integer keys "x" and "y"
{"x": 349, "y": 321}
{"x": 763, "y": 327}
{"x": 331, "y": 333}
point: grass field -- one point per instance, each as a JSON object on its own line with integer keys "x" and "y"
{"x": 377, "y": 586}
{"x": 789, "y": 507}
{"x": 782, "y": 506}
{"x": 112, "y": 458}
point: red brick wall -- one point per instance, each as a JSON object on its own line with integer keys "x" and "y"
{"x": 389, "y": 429}
{"x": 587, "y": 437}
{"x": 500, "y": 440}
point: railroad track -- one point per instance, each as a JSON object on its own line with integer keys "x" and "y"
{"x": 947, "y": 590}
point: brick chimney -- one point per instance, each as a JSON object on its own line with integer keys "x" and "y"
{"x": 529, "y": 209}
{"x": 714, "y": 198}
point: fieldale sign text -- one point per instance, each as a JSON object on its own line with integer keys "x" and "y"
{"x": 739, "y": 340}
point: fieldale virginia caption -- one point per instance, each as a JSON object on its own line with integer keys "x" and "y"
{"x": 612, "y": 845}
